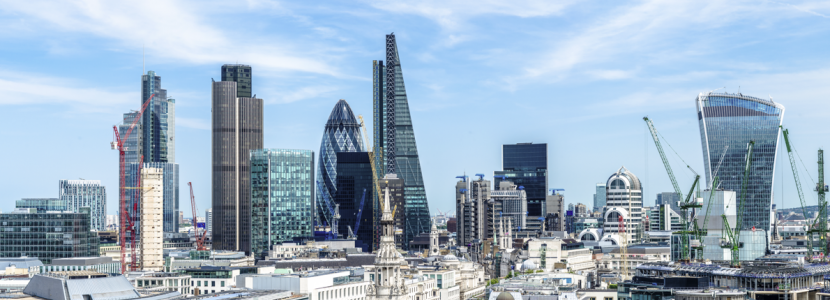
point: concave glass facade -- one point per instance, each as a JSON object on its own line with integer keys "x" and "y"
{"x": 282, "y": 190}
{"x": 342, "y": 134}
{"x": 728, "y": 122}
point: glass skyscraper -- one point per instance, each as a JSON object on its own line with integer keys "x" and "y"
{"x": 282, "y": 190}
{"x": 394, "y": 134}
{"x": 728, "y": 122}
{"x": 237, "y": 122}
{"x": 526, "y": 165}
{"x": 86, "y": 193}
{"x": 599, "y": 196}
{"x": 157, "y": 133}
{"x": 342, "y": 134}
{"x": 354, "y": 177}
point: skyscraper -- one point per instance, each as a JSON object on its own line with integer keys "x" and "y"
{"x": 282, "y": 191}
{"x": 155, "y": 120}
{"x": 355, "y": 187}
{"x": 728, "y": 122}
{"x": 237, "y": 129}
{"x": 526, "y": 164}
{"x": 342, "y": 134}
{"x": 241, "y": 74}
{"x": 86, "y": 193}
{"x": 599, "y": 196}
{"x": 625, "y": 199}
{"x": 394, "y": 133}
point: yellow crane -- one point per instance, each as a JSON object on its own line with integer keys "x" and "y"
{"x": 375, "y": 179}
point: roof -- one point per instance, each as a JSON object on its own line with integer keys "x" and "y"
{"x": 20, "y": 262}
{"x": 82, "y": 261}
{"x": 342, "y": 114}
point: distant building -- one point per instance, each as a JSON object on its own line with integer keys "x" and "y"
{"x": 86, "y": 193}
{"x": 624, "y": 196}
{"x": 42, "y": 204}
{"x": 509, "y": 202}
{"x": 452, "y": 225}
{"x": 526, "y": 165}
{"x": 282, "y": 190}
{"x": 45, "y": 240}
{"x": 555, "y": 212}
{"x": 209, "y": 220}
{"x": 99, "y": 264}
{"x": 670, "y": 198}
{"x": 599, "y": 196}
{"x": 88, "y": 285}
{"x": 355, "y": 193}
{"x": 152, "y": 221}
{"x": 394, "y": 187}
{"x": 237, "y": 128}
{"x": 472, "y": 198}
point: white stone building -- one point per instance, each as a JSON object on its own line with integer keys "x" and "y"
{"x": 152, "y": 213}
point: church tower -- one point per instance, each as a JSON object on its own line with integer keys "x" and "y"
{"x": 433, "y": 241}
{"x": 389, "y": 283}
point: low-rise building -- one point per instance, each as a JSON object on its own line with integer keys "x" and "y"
{"x": 73, "y": 237}
{"x": 86, "y": 285}
{"x": 101, "y": 264}
{"x": 12, "y": 266}
{"x": 211, "y": 279}
{"x": 318, "y": 285}
{"x": 165, "y": 281}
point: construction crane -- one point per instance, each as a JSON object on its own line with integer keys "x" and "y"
{"x": 118, "y": 144}
{"x": 359, "y": 213}
{"x": 786, "y": 134}
{"x": 335, "y": 211}
{"x": 375, "y": 178}
{"x": 687, "y": 204}
{"x": 200, "y": 237}
{"x": 623, "y": 247}
{"x": 733, "y": 236}
{"x": 821, "y": 220}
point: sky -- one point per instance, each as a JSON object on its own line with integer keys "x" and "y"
{"x": 577, "y": 75}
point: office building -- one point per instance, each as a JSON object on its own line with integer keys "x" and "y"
{"x": 555, "y": 212}
{"x": 152, "y": 220}
{"x": 170, "y": 175}
{"x": 354, "y": 195}
{"x": 209, "y": 220}
{"x": 342, "y": 134}
{"x": 526, "y": 165}
{"x": 624, "y": 198}
{"x": 237, "y": 121}
{"x": 86, "y": 193}
{"x": 728, "y": 122}
{"x": 393, "y": 186}
{"x": 599, "y": 196}
{"x": 509, "y": 203}
{"x": 282, "y": 191}
{"x": 395, "y": 135}
{"x": 158, "y": 131}
{"x": 241, "y": 74}
{"x": 47, "y": 236}
{"x": 670, "y": 198}
{"x": 42, "y": 204}
{"x": 472, "y": 200}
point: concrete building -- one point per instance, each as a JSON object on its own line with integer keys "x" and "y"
{"x": 152, "y": 219}
{"x": 100, "y": 264}
{"x": 318, "y": 285}
{"x": 86, "y": 193}
{"x": 624, "y": 196}
{"x": 88, "y": 285}
{"x": 555, "y": 212}
{"x": 237, "y": 121}
{"x": 472, "y": 198}
{"x": 209, "y": 220}
{"x": 165, "y": 281}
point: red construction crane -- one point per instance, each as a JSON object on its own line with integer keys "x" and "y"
{"x": 127, "y": 222}
{"x": 200, "y": 237}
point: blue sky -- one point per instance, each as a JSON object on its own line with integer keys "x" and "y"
{"x": 577, "y": 75}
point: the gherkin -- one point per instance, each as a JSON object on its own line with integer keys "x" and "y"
{"x": 342, "y": 134}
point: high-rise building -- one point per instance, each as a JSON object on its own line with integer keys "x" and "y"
{"x": 152, "y": 220}
{"x": 624, "y": 196}
{"x": 49, "y": 235}
{"x": 670, "y": 198}
{"x": 355, "y": 193}
{"x": 237, "y": 123}
{"x": 393, "y": 186}
{"x": 157, "y": 134}
{"x": 342, "y": 134}
{"x": 472, "y": 199}
{"x": 282, "y": 193}
{"x": 526, "y": 165}
{"x": 555, "y": 212}
{"x": 209, "y": 220}
{"x": 509, "y": 203}
{"x": 170, "y": 175}
{"x": 86, "y": 193}
{"x": 728, "y": 122}
{"x": 42, "y": 204}
{"x": 241, "y": 74}
{"x": 394, "y": 134}
{"x": 599, "y": 196}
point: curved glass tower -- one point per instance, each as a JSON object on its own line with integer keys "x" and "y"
{"x": 728, "y": 122}
{"x": 342, "y": 134}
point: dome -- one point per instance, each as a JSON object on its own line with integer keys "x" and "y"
{"x": 342, "y": 134}
{"x": 623, "y": 178}
{"x": 528, "y": 265}
{"x": 450, "y": 257}
{"x": 342, "y": 115}
{"x": 505, "y": 296}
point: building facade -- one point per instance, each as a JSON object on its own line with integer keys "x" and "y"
{"x": 624, "y": 196}
{"x": 342, "y": 134}
{"x": 395, "y": 135}
{"x": 728, "y": 122}
{"x": 24, "y": 232}
{"x": 42, "y": 204}
{"x": 86, "y": 193}
{"x": 237, "y": 121}
{"x": 354, "y": 195}
{"x": 209, "y": 220}
{"x": 152, "y": 219}
{"x": 599, "y": 196}
{"x": 170, "y": 176}
{"x": 393, "y": 186}
{"x": 474, "y": 211}
{"x": 282, "y": 193}
{"x": 526, "y": 165}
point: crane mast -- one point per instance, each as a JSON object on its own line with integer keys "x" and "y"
{"x": 200, "y": 238}
{"x": 375, "y": 178}
{"x": 733, "y": 236}
{"x": 786, "y": 134}
{"x": 821, "y": 220}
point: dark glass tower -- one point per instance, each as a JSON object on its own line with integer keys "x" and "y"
{"x": 526, "y": 164}
{"x": 342, "y": 134}
{"x": 394, "y": 133}
{"x": 354, "y": 177}
{"x": 237, "y": 129}
{"x": 241, "y": 74}
{"x": 728, "y": 122}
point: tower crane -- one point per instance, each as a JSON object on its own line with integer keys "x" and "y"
{"x": 786, "y": 134}
{"x": 687, "y": 204}
{"x": 200, "y": 237}
{"x": 733, "y": 235}
{"x": 118, "y": 144}
{"x": 375, "y": 177}
{"x": 623, "y": 247}
{"x": 821, "y": 188}
{"x": 335, "y": 211}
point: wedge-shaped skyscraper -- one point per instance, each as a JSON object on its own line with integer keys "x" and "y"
{"x": 394, "y": 133}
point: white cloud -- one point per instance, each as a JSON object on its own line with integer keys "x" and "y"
{"x": 172, "y": 30}
{"x": 451, "y": 13}
{"x": 308, "y": 92}
{"x": 32, "y": 89}
{"x": 611, "y": 74}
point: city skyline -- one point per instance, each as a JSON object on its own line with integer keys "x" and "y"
{"x": 470, "y": 90}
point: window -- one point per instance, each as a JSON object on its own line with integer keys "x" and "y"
{"x": 222, "y": 283}
{"x": 213, "y": 283}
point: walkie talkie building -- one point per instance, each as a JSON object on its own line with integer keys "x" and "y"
{"x": 728, "y": 122}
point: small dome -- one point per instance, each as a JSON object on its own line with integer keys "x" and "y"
{"x": 450, "y": 257}
{"x": 505, "y": 296}
{"x": 631, "y": 181}
{"x": 528, "y": 265}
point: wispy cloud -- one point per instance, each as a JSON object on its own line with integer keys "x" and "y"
{"x": 33, "y": 89}
{"x": 173, "y": 30}
{"x": 303, "y": 93}
{"x": 451, "y": 14}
